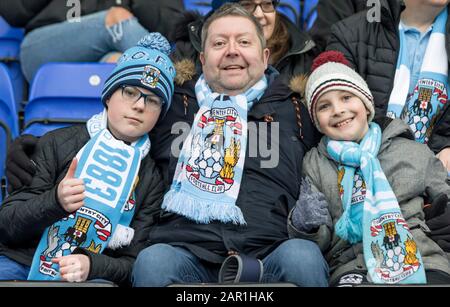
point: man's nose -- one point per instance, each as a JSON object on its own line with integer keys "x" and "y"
{"x": 232, "y": 49}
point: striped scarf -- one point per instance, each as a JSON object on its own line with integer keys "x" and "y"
{"x": 109, "y": 168}
{"x": 420, "y": 108}
{"x": 209, "y": 171}
{"x": 390, "y": 252}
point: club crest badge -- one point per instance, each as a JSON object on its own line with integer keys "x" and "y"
{"x": 150, "y": 76}
{"x": 213, "y": 159}
{"x": 395, "y": 257}
{"x": 62, "y": 242}
{"x": 420, "y": 114}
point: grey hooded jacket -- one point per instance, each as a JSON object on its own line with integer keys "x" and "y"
{"x": 413, "y": 172}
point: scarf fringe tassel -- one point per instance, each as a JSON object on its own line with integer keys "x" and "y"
{"x": 202, "y": 211}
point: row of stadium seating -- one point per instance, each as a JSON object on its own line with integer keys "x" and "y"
{"x": 61, "y": 94}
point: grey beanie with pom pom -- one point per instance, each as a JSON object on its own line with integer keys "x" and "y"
{"x": 146, "y": 65}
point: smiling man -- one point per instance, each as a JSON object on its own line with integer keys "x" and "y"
{"x": 236, "y": 57}
{"x": 221, "y": 201}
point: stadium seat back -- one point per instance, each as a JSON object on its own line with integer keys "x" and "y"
{"x": 9, "y": 123}
{"x": 290, "y": 8}
{"x": 201, "y": 6}
{"x": 10, "y": 40}
{"x": 309, "y": 14}
{"x": 7, "y": 103}
{"x": 63, "y": 94}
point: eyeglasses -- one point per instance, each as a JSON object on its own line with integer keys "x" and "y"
{"x": 132, "y": 94}
{"x": 250, "y": 6}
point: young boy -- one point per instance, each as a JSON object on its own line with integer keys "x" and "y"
{"x": 87, "y": 212}
{"x": 374, "y": 177}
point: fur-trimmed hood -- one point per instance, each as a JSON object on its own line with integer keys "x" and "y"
{"x": 298, "y": 84}
{"x": 185, "y": 71}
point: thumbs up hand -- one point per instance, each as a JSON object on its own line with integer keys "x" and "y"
{"x": 71, "y": 190}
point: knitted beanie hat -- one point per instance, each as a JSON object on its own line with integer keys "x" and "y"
{"x": 331, "y": 71}
{"x": 146, "y": 65}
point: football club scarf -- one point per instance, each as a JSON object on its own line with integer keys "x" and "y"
{"x": 390, "y": 252}
{"x": 109, "y": 168}
{"x": 420, "y": 109}
{"x": 209, "y": 171}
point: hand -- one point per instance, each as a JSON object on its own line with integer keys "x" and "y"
{"x": 20, "y": 169}
{"x": 117, "y": 14}
{"x": 71, "y": 190}
{"x": 73, "y": 268}
{"x": 444, "y": 156}
{"x": 311, "y": 209}
{"x": 437, "y": 217}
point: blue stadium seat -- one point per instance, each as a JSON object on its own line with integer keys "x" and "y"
{"x": 9, "y": 123}
{"x": 309, "y": 13}
{"x": 202, "y": 6}
{"x": 63, "y": 94}
{"x": 7, "y": 106}
{"x": 290, "y": 8}
{"x": 10, "y": 40}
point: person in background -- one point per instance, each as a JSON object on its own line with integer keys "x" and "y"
{"x": 93, "y": 31}
{"x": 328, "y": 13}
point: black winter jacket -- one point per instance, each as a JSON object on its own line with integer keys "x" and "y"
{"x": 266, "y": 194}
{"x": 159, "y": 16}
{"x": 372, "y": 49}
{"x": 328, "y": 13}
{"x": 296, "y": 61}
{"x": 26, "y": 213}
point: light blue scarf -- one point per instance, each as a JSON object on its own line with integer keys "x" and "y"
{"x": 390, "y": 251}
{"x": 209, "y": 171}
{"x": 421, "y": 108}
{"x": 109, "y": 168}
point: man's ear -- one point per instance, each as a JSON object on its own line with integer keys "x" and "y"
{"x": 266, "y": 55}
{"x": 202, "y": 58}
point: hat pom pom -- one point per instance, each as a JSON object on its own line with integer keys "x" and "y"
{"x": 155, "y": 41}
{"x": 329, "y": 56}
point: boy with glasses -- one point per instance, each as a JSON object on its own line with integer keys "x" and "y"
{"x": 96, "y": 191}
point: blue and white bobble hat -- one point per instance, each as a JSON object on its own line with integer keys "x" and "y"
{"x": 146, "y": 65}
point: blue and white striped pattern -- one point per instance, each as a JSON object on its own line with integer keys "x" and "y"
{"x": 109, "y": 169}
{"x": 189, "y": 200}
{"x": 380, "y": 202}
{"x": 433, "y": 77}
{"x": 148, "y": 66}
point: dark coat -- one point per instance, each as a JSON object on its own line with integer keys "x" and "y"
{"x": 159, "y": 16}
{"x": 27, "y": 212}
{"x": 372, "y": 49}
{"x": 328, "y": 13}
{"x": 266, "y": 194}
